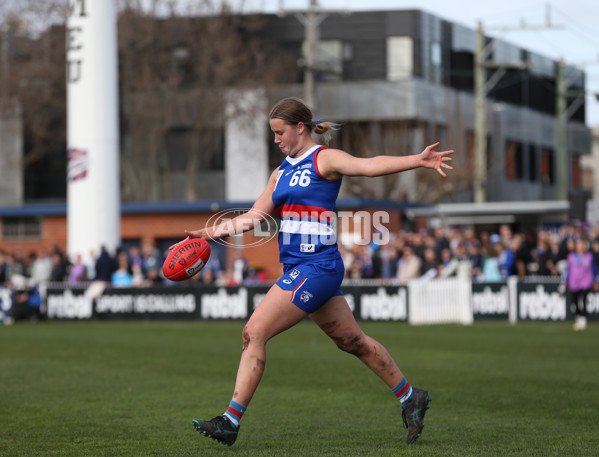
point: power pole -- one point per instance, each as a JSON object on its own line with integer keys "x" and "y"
{"x": 562, "y": 146}
{"x": 311, "y": 19}
{"x": 563, "y": 113}
{"x": 482, "y": 87}
{"x": 4, "y": 62}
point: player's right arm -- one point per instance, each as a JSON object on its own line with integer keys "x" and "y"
{"x": 262, "y": 208}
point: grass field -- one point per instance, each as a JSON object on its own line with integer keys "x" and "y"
{"x": 132, "y": 388}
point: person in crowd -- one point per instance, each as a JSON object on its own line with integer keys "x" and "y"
{"x": 150, "y": 261}
{"x": 441, "y": 241}
{"x": 240, "y": 266}
{"x": 418, "y": 244}
{"x": 207, "y": 277}
{"x": 567, "y": 233}
{"x": 475, "y": 256}
{"x": 123, "y": 275}
{"x": 485, "y": 241}
{"x": 470, "y": 238}
{"x": 77, "y": 272}
{"x": 135, "y": 260}
{"x": 506, "y": 236}
{"x": 256, "y": 276}
{"x": 445, "y": 259}
{"x": 408, "y": 266}
{"x": 59, "y": 266}
{"x": 355, "y": 270}
{"x": 26, "y": 300}
{"x": 313, "y": 269}
{"x": 522, "y": 256}
{"x": 346, "y": 256}
{"x": 580, "y": 278}
{"x": 547, "y": 256}
{"x": 41, "y": 268}
{"x": 135, "y": 257}
{"x": 384, "y": 262}
{"x": 595, "y": 251}
{"x": 459, "y": 264}
{"x": 429, "y": 262}
{"x": 3, "y": 267}
{"x": 490, "y": 266}
{"x": 105, "y": 266}
{"x": 16, "y": 264}
{"x": 363, "y": 261}
{"x": 505, "y": 259}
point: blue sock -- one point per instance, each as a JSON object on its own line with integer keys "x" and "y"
{"x": 403, "y": 392}
{"x": 234, "y": 413}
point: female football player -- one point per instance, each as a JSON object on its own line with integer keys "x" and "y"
{"x": 303, "y": 191}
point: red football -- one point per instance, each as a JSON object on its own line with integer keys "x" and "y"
{"x": 186, "y": 259}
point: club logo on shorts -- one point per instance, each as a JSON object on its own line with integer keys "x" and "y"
{"x": 294, "y": 274}
{"x": 305, "y": 296}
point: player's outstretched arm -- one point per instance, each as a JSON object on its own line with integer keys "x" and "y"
{"x": 334, "y": 163}
{"x": 261, "y": 209}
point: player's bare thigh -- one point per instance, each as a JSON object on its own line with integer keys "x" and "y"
{"x": 274, "y": 314}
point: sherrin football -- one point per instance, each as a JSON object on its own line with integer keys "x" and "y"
{"x": 186, "y": 259}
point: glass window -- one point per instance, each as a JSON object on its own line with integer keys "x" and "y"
{"x": 21, "y": 227}
{"x": 400, "y": 58}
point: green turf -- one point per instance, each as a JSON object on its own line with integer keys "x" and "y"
{"x": 132, "y": 388}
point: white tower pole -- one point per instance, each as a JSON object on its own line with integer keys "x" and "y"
{"x": 93, "y": 196}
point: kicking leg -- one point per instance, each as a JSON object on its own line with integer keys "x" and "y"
{"x": 275, "y": 314}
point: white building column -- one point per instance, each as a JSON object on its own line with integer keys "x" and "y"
{"x": 246, "y": 148}
{"x": 93, "y": 195}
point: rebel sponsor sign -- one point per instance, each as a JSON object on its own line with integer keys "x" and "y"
{"x": 384, "y": 303}
{"x": 225, "y": 303}
{"x": 82, "y": 303}
{"x": 520, "y": 300}
{"x": 490, "y": 301}
{"x": 69, "y": 304}
{"x": 541, "y": 302}
{"x": 593, "y": 305}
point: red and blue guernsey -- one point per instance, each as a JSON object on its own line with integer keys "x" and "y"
{"x": 305, "y": 202}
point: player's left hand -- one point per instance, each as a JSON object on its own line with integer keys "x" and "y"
{"x": 429, "y": 158}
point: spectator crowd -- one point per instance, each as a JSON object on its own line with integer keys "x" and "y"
{"x": 441, "y": 252}
{"x": 484, "y": 257}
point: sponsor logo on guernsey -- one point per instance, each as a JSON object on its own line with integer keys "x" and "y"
{"x": 305, "y": 296}
{"x": 294, "y": 274}
{"x": 287, "y": 281}
{"x": 307, "y": 165}
{"x": 305, "y": 247}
